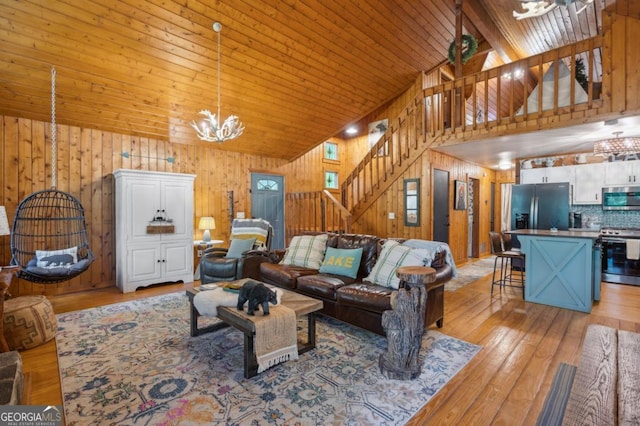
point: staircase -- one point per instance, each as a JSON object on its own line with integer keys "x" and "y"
{"x": 487, "y": 104}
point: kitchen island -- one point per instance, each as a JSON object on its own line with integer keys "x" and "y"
{"x": 562, "y": 268}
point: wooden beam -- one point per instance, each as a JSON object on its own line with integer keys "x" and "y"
{"x": 479, "y": 18}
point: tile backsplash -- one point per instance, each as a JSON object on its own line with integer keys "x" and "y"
{"x": 617, "y": 219}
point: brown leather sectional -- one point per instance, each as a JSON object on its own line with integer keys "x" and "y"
{"x": 350, "y": 299}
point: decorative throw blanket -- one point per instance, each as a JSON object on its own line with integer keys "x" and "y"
{"x": 434, "y": 246}
{"x": 276, "y": 337}
{"x": 251, "y": 228}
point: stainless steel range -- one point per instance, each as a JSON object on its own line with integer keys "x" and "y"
{"x": 620, "y": 257}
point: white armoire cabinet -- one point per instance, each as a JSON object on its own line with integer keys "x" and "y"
{"x": 148, "y": 254}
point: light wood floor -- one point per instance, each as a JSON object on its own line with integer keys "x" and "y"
{"x": 505, "y": 383}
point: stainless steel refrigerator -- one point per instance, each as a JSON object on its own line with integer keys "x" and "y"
{"x": 540, "y": 206}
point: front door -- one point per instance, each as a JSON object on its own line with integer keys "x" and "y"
{"x": 267, "y": 202}
{"x": 440, "y": 205}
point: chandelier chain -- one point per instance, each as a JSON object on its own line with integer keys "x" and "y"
{"x": 212, "y": 129}
{"x": 53, "y": 127}
{"x": 218, "y": 68}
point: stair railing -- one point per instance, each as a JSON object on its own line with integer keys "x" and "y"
{"x": 489, "y": 101}
{"x": 318, "y": 211}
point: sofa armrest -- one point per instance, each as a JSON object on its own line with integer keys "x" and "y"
{"x": 249, "y": 265}
{"x": 443, "y": 274}
{"x": 276, "y": 256}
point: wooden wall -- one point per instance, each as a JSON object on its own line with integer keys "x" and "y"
{"x": 306, "y": 174}
{"x": 85, "y": 160}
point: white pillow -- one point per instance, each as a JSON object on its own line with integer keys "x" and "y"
{"x": 393, "y": 256}
{"x": 57, "y": 258}
{"x": 306, "y": 251}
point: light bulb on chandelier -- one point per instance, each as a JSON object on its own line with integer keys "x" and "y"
{"x": 210, "y": 129}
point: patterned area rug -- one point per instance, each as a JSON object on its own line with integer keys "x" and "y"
{"x": 134, "y": 363}
{"x": 471, "y": 272}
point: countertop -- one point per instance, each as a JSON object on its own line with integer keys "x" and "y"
{"x": 592, "y": 234}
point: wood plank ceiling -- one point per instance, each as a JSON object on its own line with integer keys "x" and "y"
{"x": 296, "y": 72}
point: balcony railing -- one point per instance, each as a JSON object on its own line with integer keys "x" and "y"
{"x": 512, "y": 97}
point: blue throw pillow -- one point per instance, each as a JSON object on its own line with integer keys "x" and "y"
{"x": 239, "y": 246}
{"x": 341, "y": 262}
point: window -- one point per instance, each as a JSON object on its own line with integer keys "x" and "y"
{"x": 331, "y": 180}
{"x": 267, "y": 185}
{"x": 330, "y": 151}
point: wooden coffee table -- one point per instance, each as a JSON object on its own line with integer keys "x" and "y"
{"x": 230, "y": 316}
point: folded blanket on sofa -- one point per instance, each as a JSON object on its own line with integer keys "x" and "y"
{"x": 434, "y": 246}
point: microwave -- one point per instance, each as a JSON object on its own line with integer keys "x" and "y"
{"x": 621, "y": 198}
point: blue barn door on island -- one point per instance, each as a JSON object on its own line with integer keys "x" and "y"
{"x": 267, "y": 202}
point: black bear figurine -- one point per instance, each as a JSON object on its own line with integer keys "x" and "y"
{"x": 257, "y": 294}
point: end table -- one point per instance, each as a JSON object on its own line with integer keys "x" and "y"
{"x": 404, "y": 324}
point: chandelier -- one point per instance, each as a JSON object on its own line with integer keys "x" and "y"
{"x": 616, "y": 146}
{"x": 210, "y": 129}
{"x": 535, "y": 8}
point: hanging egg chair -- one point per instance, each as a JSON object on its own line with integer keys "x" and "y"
{"x": 49, "y": 236}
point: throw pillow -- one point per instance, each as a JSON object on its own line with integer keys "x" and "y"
{"x": 239, "y": 246}
{"x": 341, "y": 262}
{"x": 393, "y": 256}
{"x": 306, "y": 251}
{"x": 57, "y": 258}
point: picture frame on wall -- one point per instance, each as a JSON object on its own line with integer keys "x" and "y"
{"x": 412, "y": 202}
{"x": 460, "y": 195}
{"x": 376, "y": 131}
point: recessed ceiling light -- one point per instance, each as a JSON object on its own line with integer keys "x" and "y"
{"x": 352, "y": 130}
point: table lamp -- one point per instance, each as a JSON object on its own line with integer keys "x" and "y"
{"x": 206, "y": 223}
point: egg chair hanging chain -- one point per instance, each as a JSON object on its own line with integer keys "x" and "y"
{"x": 53, "y": 128}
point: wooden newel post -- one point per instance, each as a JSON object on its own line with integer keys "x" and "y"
{"x": 404, "y": 325}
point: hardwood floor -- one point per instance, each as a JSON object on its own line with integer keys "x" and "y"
{"x": 507, "y": 381}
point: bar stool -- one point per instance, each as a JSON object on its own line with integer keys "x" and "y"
{"x": 506, "y": 258}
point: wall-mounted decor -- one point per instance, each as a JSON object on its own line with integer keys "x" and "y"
{"x": 412, "y": 202}
{"x": 460, "y": 195}
{"x": 376, "y": 130}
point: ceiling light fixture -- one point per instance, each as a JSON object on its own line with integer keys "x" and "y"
{"x": 616, "y": 146}
{"x": 535, "y": 8}
{"x": 210, "y": 129}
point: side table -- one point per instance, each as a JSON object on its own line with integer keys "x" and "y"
{"x": 404, "y": 324}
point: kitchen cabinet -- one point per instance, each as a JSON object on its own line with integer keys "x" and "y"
{"x": 154, "y": 228}
{"x": 622, "y": 173}
{"x": 547, "y": 175}
{"x": 587, "y": 188}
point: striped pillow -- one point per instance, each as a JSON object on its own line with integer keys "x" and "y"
{"x": 393, "y": 256}
{"x": 307, "y": 251}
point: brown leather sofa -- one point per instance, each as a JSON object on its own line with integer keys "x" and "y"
{"x": 351, "y": 299}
